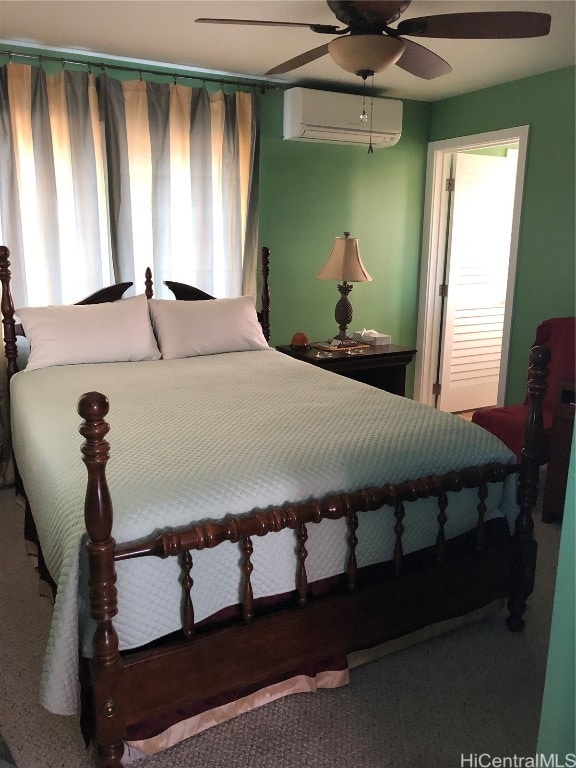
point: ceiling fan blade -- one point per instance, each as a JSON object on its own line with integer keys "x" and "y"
{"x": 327, "y": 29}
{"x": 422, "y": 62}
{"x": 299, "y": 61}
{"x": 253, "y": 21}
{"x": 478, "y": 26}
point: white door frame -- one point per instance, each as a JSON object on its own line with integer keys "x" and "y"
{"x": 434, "y": 234}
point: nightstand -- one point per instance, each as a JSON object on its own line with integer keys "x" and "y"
{"x": 383, "y": 367}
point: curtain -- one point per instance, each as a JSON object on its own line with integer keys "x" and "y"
{"x": 52, "y": 184}
{"x": 182, "y": 181}
{"x": 101, "y": 178}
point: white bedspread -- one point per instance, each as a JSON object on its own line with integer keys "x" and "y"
{"x": 204, "y": 437}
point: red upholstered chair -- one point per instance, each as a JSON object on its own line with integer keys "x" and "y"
{"x": 507, "y": 422}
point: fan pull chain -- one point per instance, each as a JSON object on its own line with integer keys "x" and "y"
{"x": 370, "y": 147}
{"x": 363, "y": 115}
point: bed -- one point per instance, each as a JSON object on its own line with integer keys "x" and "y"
{"x": 248, "y": 521}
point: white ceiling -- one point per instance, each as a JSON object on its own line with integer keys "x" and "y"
{"x": 165, "y": 31}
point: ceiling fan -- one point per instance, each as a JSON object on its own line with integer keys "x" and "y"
{"x": 367, "y": 43}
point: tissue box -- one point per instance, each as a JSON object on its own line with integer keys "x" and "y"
{"x": 380, "y": 339}
{"x": 372, "y": 337}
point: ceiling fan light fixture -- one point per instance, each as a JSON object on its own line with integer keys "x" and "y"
{"x": 365, "y": 53}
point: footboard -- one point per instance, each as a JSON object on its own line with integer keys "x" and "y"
{"x": 357, "y": 614}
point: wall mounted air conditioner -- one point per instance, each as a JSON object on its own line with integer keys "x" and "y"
{"x": 334, "y": 118}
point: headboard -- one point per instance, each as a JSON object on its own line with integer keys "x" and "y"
{"x": 181, "y": 291}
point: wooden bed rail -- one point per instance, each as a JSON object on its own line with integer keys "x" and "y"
{"x": 234, "y": 529}
{"x": 169, "y": 542}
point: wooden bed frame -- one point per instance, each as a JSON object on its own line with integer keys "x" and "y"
{"x": 451, "y": 579}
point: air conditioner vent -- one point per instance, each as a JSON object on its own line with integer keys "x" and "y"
{"x": 334, "y": 118}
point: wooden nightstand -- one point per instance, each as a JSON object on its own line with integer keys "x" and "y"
{"x": 382, "y": 367}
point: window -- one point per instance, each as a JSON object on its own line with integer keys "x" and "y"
{"x": 100, "y": 178}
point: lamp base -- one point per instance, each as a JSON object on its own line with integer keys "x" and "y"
{"x": 343, "y": 311}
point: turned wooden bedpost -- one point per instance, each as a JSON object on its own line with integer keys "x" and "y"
{"x": 8, "y": 313}
{"x": 533, "y": 456}
{"x": 265, "y": 293}
{"x": 105, "y": 665}
{"x": 148, "y": 284}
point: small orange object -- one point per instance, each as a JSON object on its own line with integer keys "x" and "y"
{"x": 299, "y": 341}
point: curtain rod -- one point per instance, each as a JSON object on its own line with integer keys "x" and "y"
{"x": 63, "y": 60}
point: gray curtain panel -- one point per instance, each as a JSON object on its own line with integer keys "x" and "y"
{"x": 196, "y": 221}
{"x": 50, "y": 211}
{"x": 100, "y": 177}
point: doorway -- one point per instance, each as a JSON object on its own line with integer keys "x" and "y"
{"x": 467, "y": 275}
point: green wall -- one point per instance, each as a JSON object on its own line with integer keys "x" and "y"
{"x": 545, "y": 276}
{"x": 310, "y": 193}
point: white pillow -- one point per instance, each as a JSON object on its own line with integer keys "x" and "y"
{"x": 89, "y": 333}
{"x": 206, "y": 327}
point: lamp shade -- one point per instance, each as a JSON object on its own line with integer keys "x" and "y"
{"x": 365, "y": 53}
{"x": 344, "y": 262}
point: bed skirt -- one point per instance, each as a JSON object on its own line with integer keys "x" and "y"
{"x": 136, "y": 748}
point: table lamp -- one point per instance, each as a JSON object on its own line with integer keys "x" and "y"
{"x": 345, "y": 264}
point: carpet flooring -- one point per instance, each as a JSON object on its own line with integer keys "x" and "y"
{"x": 474, "y": 690}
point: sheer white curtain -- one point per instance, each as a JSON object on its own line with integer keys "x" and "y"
{"x": 182, "y": 184}
{"x": 100, "y": 178}
{"x": 53, "y": 213}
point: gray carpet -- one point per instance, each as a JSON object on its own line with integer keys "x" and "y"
{"x": 475, "y": 690}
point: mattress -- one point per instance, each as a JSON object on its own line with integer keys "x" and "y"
{"x": 204, "y": 437}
